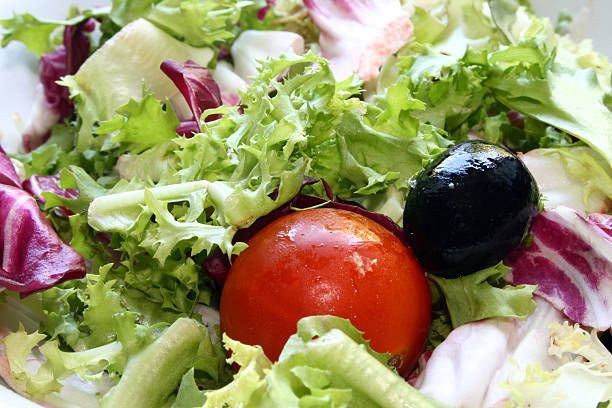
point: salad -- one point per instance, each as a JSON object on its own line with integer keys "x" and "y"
{"x": 317, "y": 203}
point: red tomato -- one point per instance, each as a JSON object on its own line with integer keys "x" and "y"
{"x": 327, "y": 261}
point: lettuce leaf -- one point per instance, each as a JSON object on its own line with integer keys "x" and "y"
{"x": 570, "y": 101}
{"x": 246, "y": 164}
{"x": 121, "y": 59}
{"x": 196, "y": 22}
{"x": 36, "y": 33}
{"x": 583, "y": 381}
{"x": 8, "y": 173}
{"x": 141, "y": 124}
{"x": 326, "y": 362}
{"x": 199, "y": 23}
{"x": 484, "y": 294}
{"x": 58, "y": 365}
{"x": 189, "y": 395}
{"x": 589, "y": 167}
{"x": 484, "y": 67}
{"x": 568, "y": 258}
{"x": 33, "y": 256}
{"x": 165, "y": 362}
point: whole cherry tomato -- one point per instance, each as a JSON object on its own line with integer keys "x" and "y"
{"x": 328, "y": 261}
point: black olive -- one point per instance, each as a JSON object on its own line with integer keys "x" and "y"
{"x": 469, "y": 208}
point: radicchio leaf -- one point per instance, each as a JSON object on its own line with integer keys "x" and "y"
{"x": 570, "y": 259}
{"x": 358, "y": 35}
{"x": 199, "y": 89}
{"x": 262, "y": 12}
{"x": 33, "y": 257}
{"x": 217, "y": 264}
{"x": 8, "y": 174}
{"x": 516, "y": 119}
{"x": 36, "y": 185}
{"x": 66, "y": 60}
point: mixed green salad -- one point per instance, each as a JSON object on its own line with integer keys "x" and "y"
{"x": 167, "y": 133}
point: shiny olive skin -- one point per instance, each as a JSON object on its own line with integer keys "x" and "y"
{"x": 469, "y": 208}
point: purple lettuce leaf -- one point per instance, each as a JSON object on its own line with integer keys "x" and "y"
{"x": 570, "y": 259}
{"x": 516, "y": 119}
{"x": 217, "y": 264}
{"x": 8, "y": 174}
{"x": 36, "y": 185}
{"x": 77, "y": 44}
{"x": 65, "y": 60}
{"x": 262, "y": 12}
{"x": 198, "y": 87}
{"x": 188, "y": 127}
{"x": 33, "y": 257}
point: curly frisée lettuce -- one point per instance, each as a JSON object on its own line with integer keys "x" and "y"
{"x": 146, "y": 235}
{"x": 177, "y": 348}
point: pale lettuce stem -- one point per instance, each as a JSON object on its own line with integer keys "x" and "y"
{"x": 113, "y": 202}
{"x": 154, "y": 374}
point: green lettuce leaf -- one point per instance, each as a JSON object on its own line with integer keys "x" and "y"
{"x": 34, "y": 33}
{"x": 570, "y": 101}
{"x": 42, "y": 35}
{"x": 124, "y": 12}
{"x": 76, "y": 178}
{"x": 326, "y": 363}
{"x": 58, "y": 365}
{"x": 125, "y": 56}
{"x": 248, "y": 163}
{"x": 427, "y": 28}
{"x": 165, "y": 355}
{"x": 485, "y": 65}
{"x": 142, "y": 124}
{"x": 152, "y": 165}
{"x": 199, "y": 23}
{"x": 163, "y": 363}
{"x": 58, "y": 153}
{"x": 484, "y": 294}
{"x": 38, "y": 35}
{"x": 196, "y": 22}
{"x": 59, "y": 322}
{"x": 130, "y": 303}
{"x": 189, "y": 395}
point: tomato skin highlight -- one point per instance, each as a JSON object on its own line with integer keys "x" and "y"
{"x": 328, "y": 261}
